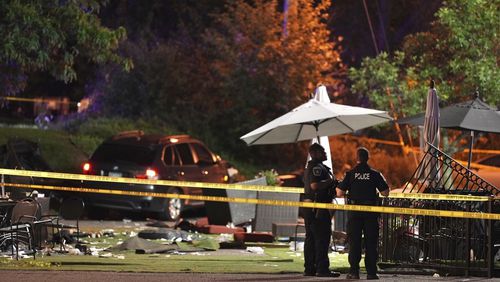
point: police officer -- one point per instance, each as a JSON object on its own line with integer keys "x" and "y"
{"x": 361, "y": 185}
{"x": 319, "y": 186}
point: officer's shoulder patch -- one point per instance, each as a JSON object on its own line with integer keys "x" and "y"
{"x": 317, "y": 171}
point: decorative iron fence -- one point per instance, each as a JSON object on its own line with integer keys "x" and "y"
{"x": 454, "y": 245}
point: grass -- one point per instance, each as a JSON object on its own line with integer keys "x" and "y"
{"x": 274, "y": 260}
{"x": 55, "y": 147}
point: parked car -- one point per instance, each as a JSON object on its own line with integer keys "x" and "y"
{"x": 151, "y": 156}
{"x": 489, "y": 169}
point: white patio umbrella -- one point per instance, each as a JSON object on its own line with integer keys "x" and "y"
{"x": 314, "y": 119}
{"x": 321, "y": 95}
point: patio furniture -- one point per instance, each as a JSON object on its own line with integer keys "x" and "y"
{"x": 21, "y": 231}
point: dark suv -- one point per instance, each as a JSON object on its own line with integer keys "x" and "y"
{"x": 150, "y": 156}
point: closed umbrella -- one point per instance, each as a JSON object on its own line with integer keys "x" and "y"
{"x": 431, "y": 129}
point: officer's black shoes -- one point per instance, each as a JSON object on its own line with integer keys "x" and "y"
{"x": 309, "y": 273}
{"x": 352, "y": 276}
{"x": 328, "y": 274}
{"x": 372, "y": 277}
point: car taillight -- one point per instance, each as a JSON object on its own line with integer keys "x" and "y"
{"x": 86, "y": 168}
{"x": 149, "y": 174}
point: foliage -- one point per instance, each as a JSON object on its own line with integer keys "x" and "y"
{"x": 263, "y": 71}
{"x": 271, "y": 175}
{"x": 221, "y": 81}
{"x": 382, "y": 158}
{"x": 53, "y": 36}
{"x": 460, "y": 52}
{"x": 26, "y": 264}
{"x": 386, "y": 81}
{"x": 475, "y": 46}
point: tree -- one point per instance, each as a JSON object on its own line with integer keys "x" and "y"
{"x": 461, "y": 52}
{"x": 264, "y": 71}
{"x": 53, "y": 36}
{"x": 473, "y": 41}
{"x": 220, "y": 81}
{"x": 385, "y": 80}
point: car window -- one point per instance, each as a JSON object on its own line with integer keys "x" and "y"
{"x": 493, "y": 161}
{"x": 202, "y": 153}
{"x": 123, "y": 153}
{"x": 185, "y": 154}
{"x": 170, "y": 156}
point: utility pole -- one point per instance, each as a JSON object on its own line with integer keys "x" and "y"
{"x": 371, "y": 27}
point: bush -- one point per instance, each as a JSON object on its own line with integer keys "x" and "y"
{"x": 272, "y": 178}
{"x": 396, "y": 168}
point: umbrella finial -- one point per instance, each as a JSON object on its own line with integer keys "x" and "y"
{"x": 476, "y": 93}
{"x": 431, "y": 84}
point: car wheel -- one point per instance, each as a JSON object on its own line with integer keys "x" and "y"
{"x": 173, "y": 206}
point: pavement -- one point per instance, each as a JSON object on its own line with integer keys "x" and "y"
{"x": 88, "y": 276}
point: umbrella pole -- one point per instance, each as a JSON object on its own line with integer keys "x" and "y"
{"x": 470, "y": 148}
{"x": 316, "y": 125}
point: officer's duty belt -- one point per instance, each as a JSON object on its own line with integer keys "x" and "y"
{"x": 363, "y": 202}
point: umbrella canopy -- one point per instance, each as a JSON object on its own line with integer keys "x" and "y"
{"x": 314, "y": 119}
{"x": 473, "y": 115}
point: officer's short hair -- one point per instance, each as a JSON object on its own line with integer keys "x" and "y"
{"x": 363, "y": 154}
{"x": 316, "y": 148}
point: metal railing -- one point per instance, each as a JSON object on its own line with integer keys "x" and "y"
{"x": 454, "y": 245}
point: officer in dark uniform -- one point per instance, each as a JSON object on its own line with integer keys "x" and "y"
{"x": 361, "y": 185}
{"x": 319, "y": 186}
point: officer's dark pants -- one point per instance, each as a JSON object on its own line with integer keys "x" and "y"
{"x": 318, "y": 234}
{"x": 363, "y": 223}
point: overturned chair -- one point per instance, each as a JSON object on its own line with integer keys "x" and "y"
{"x": 71, "y": 208}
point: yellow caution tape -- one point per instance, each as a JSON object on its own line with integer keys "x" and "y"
{"x": 36, "y": 100}
{"x": 208, "y": 185}
{"x": 379, "y": 209}
{"x": 417, "y": 149}
{"x": 439, "y": 197}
